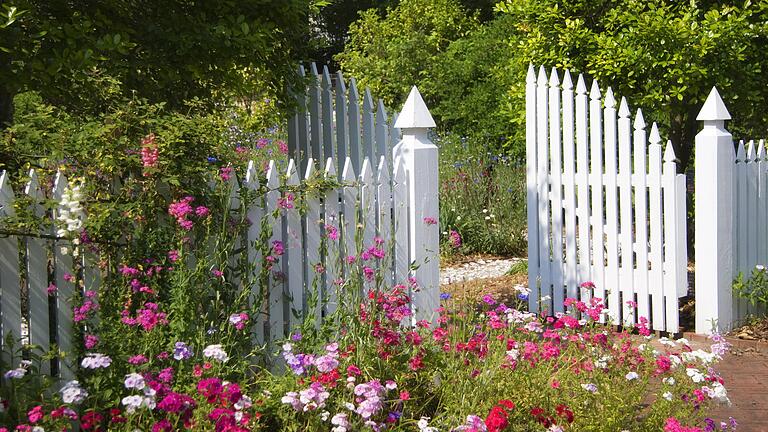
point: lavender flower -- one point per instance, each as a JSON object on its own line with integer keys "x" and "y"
{"x": 592, "y": 388}
{"x": 181, "y": 351}
{"x": 15, "y": 373}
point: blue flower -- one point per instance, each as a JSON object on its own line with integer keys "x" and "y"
{"x": 523, "y": 296}
{"x": 212, "y": 159}
{"x": 445, "y": 296}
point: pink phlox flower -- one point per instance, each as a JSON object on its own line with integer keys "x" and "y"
{"x": 225, "y": 173}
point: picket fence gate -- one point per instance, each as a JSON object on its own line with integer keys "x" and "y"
{"x": 605, "y": 204}
{"x": 397, "y": 202}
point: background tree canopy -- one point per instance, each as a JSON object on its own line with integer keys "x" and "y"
{"x": 664, "y": 55}
{"x": 83, "y": 55}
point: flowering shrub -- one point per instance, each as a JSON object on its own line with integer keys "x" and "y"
{"x": 175, "y": 338}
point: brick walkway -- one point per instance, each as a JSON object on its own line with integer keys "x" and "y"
{"x": 746, "y": 378}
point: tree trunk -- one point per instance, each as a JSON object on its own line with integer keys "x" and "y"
{"x": 683, "y": 128}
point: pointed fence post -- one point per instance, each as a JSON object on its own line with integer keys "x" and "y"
{"x": 714, "y": 218}
{"x": 419, "y": 156}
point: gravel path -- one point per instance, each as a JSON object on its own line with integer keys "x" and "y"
{"x": 476, "y": 270}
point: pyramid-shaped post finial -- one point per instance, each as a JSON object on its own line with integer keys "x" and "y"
{"x": 714, "y": 109}
{"x": 415, "y": 114}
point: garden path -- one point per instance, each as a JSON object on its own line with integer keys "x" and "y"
{"x": 744, "y": 369}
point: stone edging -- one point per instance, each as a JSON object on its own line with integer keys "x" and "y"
{"x": 737, "y": 343}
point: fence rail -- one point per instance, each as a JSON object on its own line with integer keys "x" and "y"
{"x": 604, "y": 205}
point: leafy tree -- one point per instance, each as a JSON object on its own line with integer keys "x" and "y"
{"x": 84, "y": 54}
{"x": 390, "y": 54}
{"x": 332, "y": 23}
{"x": 665, "y": 55}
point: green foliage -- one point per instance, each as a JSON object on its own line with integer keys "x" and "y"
{"x": 665, "y": 56}
{"x": 754, "y": 289}
{"x": 86, "y": 55}
{"x": 482, "y": 196}
{"x": 392, "y": 53}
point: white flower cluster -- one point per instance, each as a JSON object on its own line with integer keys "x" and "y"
{"x": 96, "y": 361}
{"x": 72, "y": 393}
{"x": 134, "y": 402}
{"x": 70, "y": 215}
{"x": 700, "y": 355}
{"x": 217, "y": 352}
{"x": 717, "y": 392}
{"x": 424, "y": 426}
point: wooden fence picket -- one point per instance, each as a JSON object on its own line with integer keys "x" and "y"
{"x": 334, "y": 252}
{"x": 627, "y": 266}
{"x": 367, "y": 123}
{"x": 293, "y": 264}
{"x": 329, "y": 147}
{"x": 383, "y": 147}
{"x": 342, "y": 126}
{"x": 673, "y": 250}
{"x": 538, "y": 298}
{"x": 315, "y": 128}
{"x": 348, "y": 224}
{"x": 569, "y": 182}
{"x": 276, "y": 297}
{"x": 555, "y": 169}
{"x": 582, "y": 179}
{"x": 531, "y": 177}
{"x": 302, "y": 147}
{"x": 641, "y": 217}
{"x": 313, "y": 266}
{"x": 255, "y": 213}
{"x": 65, "y": 289}
{"x": 353, "y": 122}
{"x": 741, "y": 220}
{"x": 596, "y": 181}
{"x": 401, "y": 262}
{"x": 37, "y": 276}
{"x": 10, "y": 291}
{"x": 367, "y": 203}
{"x": 656, "y": 277}
{"x": 611, "y": 295}
{"x": 384, "y": 214}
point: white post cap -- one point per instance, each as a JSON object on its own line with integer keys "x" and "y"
{"x": 714, "y": 109}
{"x": 415, "y": 114}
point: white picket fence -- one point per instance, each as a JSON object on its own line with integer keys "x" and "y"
{"x": 604, "y": 205}
{"x": 397, "y": 203}
{"x": 731, "y": 217}
{"x": 334, "y": 122}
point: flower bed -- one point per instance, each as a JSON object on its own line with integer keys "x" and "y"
{"x": 491, "y": 368}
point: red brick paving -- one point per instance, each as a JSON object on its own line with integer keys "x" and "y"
{"x": 746, "y": 378}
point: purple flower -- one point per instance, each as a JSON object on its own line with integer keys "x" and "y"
{"x": 489, "y": 300}
{"x": 181, "y": 351}
{"x": 326, "y": 363}
{"x": 296, "y": 336}
{"x": 445, "y": 296}
{"x": 15, "y": 373}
